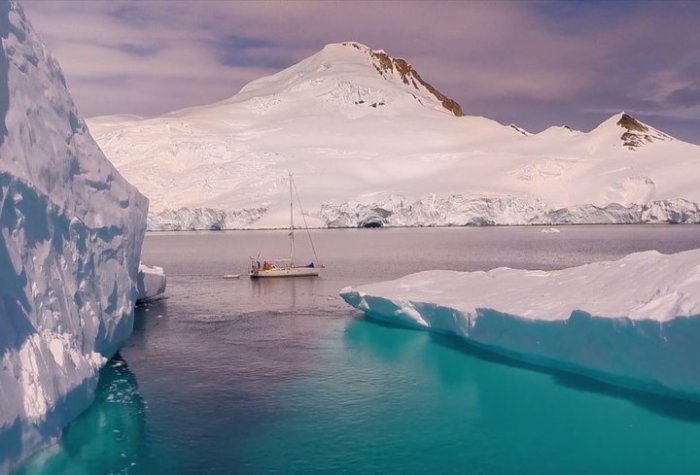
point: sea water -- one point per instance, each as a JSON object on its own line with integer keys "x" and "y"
{"x": 280, "y": 376}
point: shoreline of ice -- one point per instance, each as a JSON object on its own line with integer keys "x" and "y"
{"x": 634, "y": 322}
{"x": 450, "y": 211}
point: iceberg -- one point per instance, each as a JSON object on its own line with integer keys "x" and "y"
{"x": 108, "y": 434}
{"x": 71, "y": 230}
{"x": 150, "y": 283}
{"x": 633, "y": 322}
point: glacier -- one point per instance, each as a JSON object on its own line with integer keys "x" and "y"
{"x": 435, "y": 209}
{"x": 370, "y": 143}
{"x": 197, "y": 219}
{"x": 465, "y": 210}
{"x": 633, "y": 322}
{"x": 71, "y": 230}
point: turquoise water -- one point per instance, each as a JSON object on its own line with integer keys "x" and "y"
{"x": 282, "y": 377}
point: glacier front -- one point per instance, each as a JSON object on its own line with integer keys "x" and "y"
{"x": 463, "y": 210}
{"x": 634, "y": 322}
{"x": 71, "y": 230}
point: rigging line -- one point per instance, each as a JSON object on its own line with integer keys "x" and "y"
{"x": 303, "y": 217}
{"x": 5, "y": 194}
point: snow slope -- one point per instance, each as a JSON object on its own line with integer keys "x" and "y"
{"x": 71, "y": 230}
{"x": 362, "y": 130}
{"x": 633, "y": 322}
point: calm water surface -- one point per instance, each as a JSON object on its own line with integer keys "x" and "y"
{"x": 280, "y": 376}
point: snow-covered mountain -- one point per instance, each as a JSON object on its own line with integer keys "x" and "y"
{"x": 372, "y": 143}
{"x": 71, "y": 230}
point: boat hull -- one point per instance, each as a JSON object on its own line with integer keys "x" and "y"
{"x": 286, "y": 272}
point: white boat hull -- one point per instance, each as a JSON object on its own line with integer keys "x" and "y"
{"x": 285, "y": 267}
{"x": 286, "y": 272}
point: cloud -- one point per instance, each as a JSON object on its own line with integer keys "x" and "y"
{"x": 581, "y": 57}
{"x": 686, "y": 96}
{"x": 242, "y": 51}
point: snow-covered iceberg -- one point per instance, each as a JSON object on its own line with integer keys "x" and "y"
{"x": 633, "y": 322}
{"x": 71, "y": 230}
{"x": 150, "y": 283}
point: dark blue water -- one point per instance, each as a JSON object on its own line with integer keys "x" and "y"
{"x": 280, "y": 376}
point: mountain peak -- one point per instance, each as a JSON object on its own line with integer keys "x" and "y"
{"x": 635, "y": 133}
{"x": 630, "y": 123}
{"x": 345, "y": 47}
{"x": 355, "y": 78}
{"x": 386, "y": 65}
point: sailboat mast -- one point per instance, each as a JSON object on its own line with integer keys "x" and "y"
{"x": 291, "y": 222}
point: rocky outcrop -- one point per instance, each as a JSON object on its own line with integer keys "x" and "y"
{"x": 384, "y": 63}
{"x": 637, "y": 134}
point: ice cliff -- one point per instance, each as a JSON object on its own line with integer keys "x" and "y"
{"x": 464, "y": 210}
{"x": 436, "y": 209}
{"x": 71, "y": 230}
{"x": 634, "y": 322}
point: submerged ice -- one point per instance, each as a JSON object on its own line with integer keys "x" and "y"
{"x": 71, "y": 230}
{"x": 633, "y": 322}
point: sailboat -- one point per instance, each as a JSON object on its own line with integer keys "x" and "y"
{"x": 287, "y": 267}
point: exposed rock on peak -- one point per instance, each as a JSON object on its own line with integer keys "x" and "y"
{"x": 384, "y": 64}
{"x": 637, "y": 134}
{"x": 345, "y": 75}
{"x": 630, "y": 123}
{"x": 355, "y": 45}
{"x": 520, "y": 130}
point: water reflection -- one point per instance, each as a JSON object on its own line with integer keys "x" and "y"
{"x": 361, "y": 334}
{"x": 110, "y": 437}
{"x": 392, "y": 343}
{"x": 662, "y": 404}
{"x": 283, "y": 291}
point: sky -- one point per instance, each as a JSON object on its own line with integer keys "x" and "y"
{"x": 533, "y": 64}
